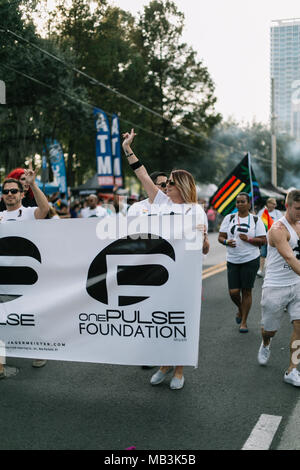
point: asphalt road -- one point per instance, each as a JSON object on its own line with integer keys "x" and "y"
{"x": 93, "y": 406}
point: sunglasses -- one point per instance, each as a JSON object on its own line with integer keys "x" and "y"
{"x": 171, "y": 182}
{"x": 12, "y": 191}
{"x": 162, "y": 185}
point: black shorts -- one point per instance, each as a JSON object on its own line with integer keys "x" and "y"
{"x": 242, "y": 276}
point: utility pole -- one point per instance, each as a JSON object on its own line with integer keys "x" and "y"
{"x": 273, "y": 137}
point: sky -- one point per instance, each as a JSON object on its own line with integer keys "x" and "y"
{"x": 232, "y": 38}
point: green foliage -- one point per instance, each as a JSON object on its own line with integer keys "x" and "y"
{"x": 143, "y": 58}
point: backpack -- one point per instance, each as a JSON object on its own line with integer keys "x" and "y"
{"x": 232, "y": 216}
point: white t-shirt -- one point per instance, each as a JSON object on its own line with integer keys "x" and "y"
{"x": 140, "y": 208}
{"x": 21, "y": 214}
{"x": 162, "y": 204}
{"x": 97, "y": 212}
{"x": 233, "y": 226}
{"x": 275, "y": 214}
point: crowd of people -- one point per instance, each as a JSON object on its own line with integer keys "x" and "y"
{"x": 243, "y": 233}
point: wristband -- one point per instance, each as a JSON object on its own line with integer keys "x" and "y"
{"x": 129, "y": 154}
{"x": 225, "y": 242}
{"x": 250, "y": 240}
{"x": 136, "y": 165}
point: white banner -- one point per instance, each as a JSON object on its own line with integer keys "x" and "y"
{"x": 97, "y": 291}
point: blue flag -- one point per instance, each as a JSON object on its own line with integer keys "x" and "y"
{"x": 116, "y": 150}
{"x": 58, "y": 166}
{"x": 103, "y": 150}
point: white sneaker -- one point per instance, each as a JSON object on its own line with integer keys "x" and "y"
{"x": 260, "y": 273}
{"x": 264, "y": 354}
{"x": 292, "y": 378}
{"x": 159, "y": 376}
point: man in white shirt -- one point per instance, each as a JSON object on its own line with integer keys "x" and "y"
{"x": 275, "y": 214}
{"x": 144, "y": 207}
{"x": 281, "y": 288}
{"x": 93, "y": 209}
{"x": 12, "y": 194}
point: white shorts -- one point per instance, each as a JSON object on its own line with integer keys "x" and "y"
{"x": 273, "y": 302}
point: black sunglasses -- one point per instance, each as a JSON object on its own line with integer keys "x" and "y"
{"x": 12, "y": 191}
{"x": 162, "y": 185}
{"x": 171, "y": 182}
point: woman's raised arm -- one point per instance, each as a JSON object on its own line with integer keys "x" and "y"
{"x": 138, "y": 167}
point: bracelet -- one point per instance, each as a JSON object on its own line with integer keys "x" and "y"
{"x": 136, "y": 165}
{"x": 250, "y": 240}
{"x": 129, "y": 154}
{"x": 225, "y": 242}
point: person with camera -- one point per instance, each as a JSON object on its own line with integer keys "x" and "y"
{"x": 243, "y": 234}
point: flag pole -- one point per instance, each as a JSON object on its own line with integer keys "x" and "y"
{"x": 250, "y": 176}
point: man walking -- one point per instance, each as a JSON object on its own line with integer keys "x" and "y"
{"x": 93, "y": 209}
{"x": 12, "y": 194}
{"x": 144, "y": 207}
{"x": 281, "y": 288}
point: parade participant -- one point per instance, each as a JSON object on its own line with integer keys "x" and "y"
{"x": 144, "y": 207}
{"x": 93, "y": 209}
{"x": 243, "y": 234}
{"x": 181, "y": 197}
{"x": 28, "y": 199}
{"x": 13, "y": 193}
{"x": 281, "y": 287}
{"x": 269, "y": 214}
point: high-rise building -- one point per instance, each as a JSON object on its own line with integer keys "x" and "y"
{"x": 285, "y": 72}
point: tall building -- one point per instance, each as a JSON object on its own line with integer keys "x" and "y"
{"x": 285, "y": 72}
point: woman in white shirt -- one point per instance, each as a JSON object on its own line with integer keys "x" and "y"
{"x": 181, "y": 197}
{"x": 243, "y": 234}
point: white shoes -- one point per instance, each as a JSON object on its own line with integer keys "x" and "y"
{"x": 264, "y": 354}
{"x": 292, "y": 378}
{"x": 176, "y": 383}
{"x": 260, "y": 273}
{"x": 159, "y": 376}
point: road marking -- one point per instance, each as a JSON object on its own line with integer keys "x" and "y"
{"x": 218, "y": 268}
{"x": 263, "y": 433}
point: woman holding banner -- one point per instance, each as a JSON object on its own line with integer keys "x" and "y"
{"x": 243, "y": 234}
{"x": 181, "y": 197}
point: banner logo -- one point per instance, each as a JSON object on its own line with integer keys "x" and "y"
{"x": 129, "y": 264}
{"x": 13, "y": 278}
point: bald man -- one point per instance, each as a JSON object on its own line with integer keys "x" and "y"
{"x": 93, "y": 209}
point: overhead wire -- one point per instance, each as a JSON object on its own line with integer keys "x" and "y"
{"x": 85, "y": 103}
{"x": 140, "y": 105}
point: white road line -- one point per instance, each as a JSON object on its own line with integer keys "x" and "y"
{"x": 263, "y": 433}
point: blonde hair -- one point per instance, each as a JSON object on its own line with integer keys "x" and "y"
{"x": 186, "y": 185}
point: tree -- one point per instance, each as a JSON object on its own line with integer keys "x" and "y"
{"x": 177, "y": 86}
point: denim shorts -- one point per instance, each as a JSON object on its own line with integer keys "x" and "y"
{"x": 242, "y": 276}
{"x": 264, "y": 251}
{"x": 273, "y": 302}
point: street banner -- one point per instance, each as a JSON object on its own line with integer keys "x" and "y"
{"x": 124, "y": 291}
{"x": 241, "y": 179}
{"x": 103, "y": 150}
{"x": 58, "y": 166}
{"x": 116, "y": 150}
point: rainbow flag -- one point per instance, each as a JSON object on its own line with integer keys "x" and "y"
{"x": 223, "y": 200}
{"x": 267, "y": 219}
